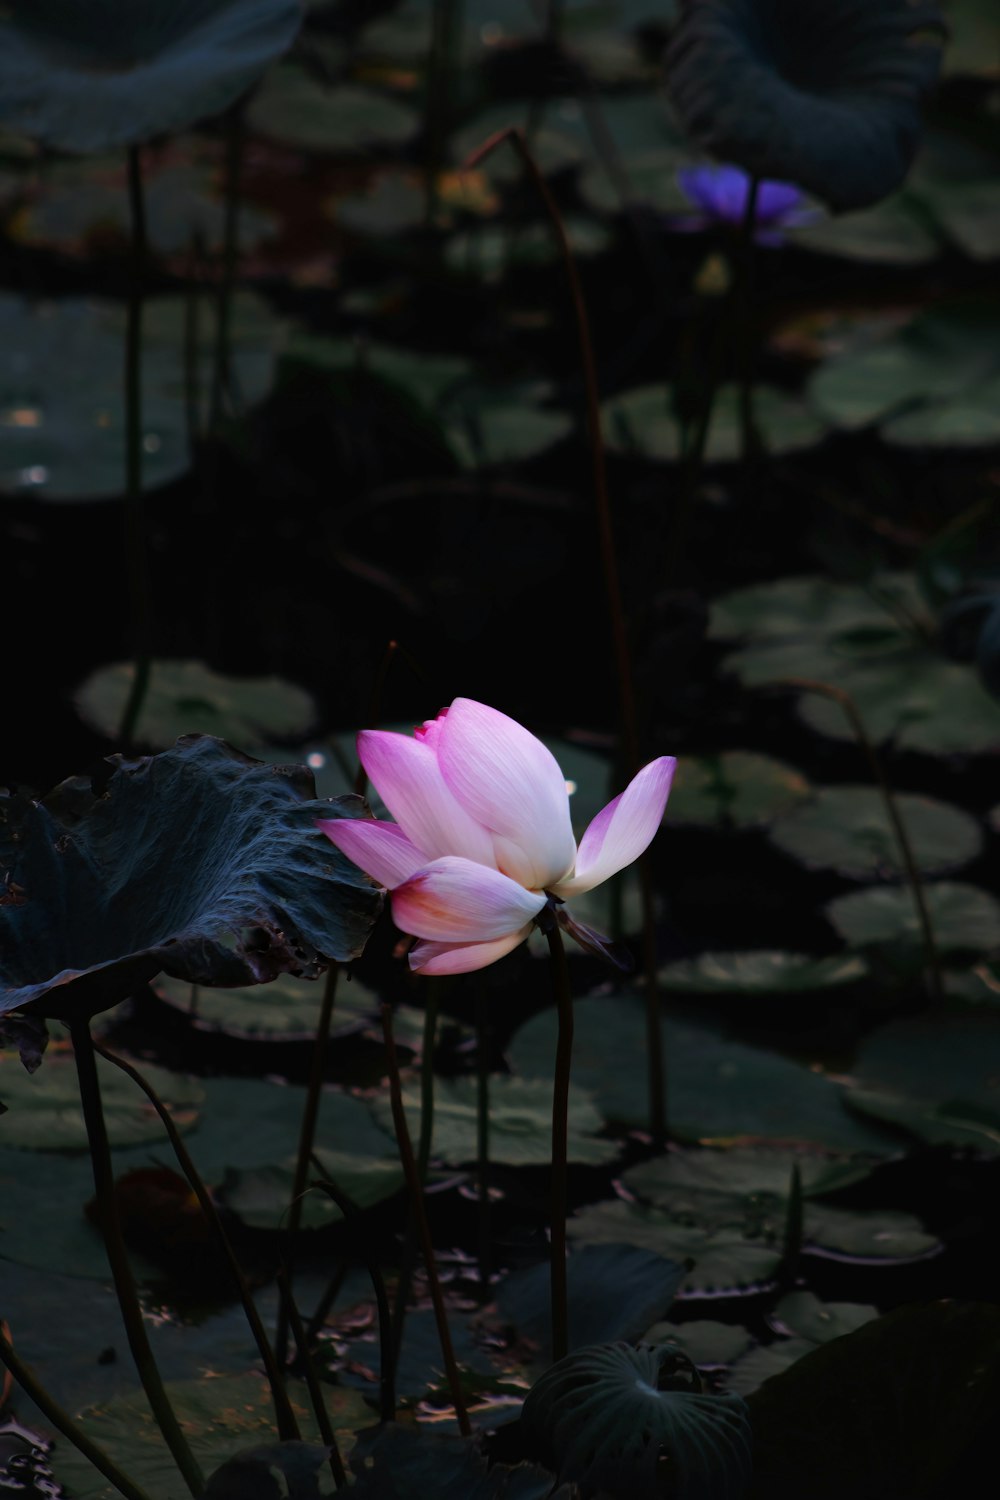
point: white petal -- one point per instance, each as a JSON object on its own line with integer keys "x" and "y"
{"x": 622, "y": 830}
{"x": 381, "y": 849}
{"x": 462, "y": 958}
{"x": 456, "y": 901}
{"x": 508, "y": 781}
{"x": 409, "y": 781}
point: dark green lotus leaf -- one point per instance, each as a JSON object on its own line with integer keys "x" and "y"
{"x": 187, "y": 697}
{"x": 273, "y": 1471}
{"x": 799, "y": 91}
{"x": 285, "y": 1010}
{"x": 808, "y": 1322}
{"x": 62, "y": 424}
{"x": 763, "y": 972}
{"x": 707, "y": 1343}
{"x": 408, "y": 1463}
{"x": 975, "y": 37}
{"x": 642, "y": 421}
{"x": 503, "y": 424}
{"x": 736, "y": 787}
{"x": 963, "y": 917}
{"x": 489, "y": 252}
{"x": 95, "y": 77}
{"x": 221, "y": 1416}
{"x": 198, "y": 862}
{"x": 722, "y": 1090}
{"x": 890, "y": 1409}
{"x": 892, "y": 233}
{"x": 44, "y": 1114}
{"x": 847, "y": 829}
{"x": 721, "y": 1259}
{"x": 762, "y": 1363}
{"x": 613, "y": 1292}
{"x": 603, "y": 1416}
{"x": 340, "y": 118}
{"x": 934, "y": 1076}
{"x": 520, "y": 1122}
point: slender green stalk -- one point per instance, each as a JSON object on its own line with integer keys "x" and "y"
{"x": 121, "y": 1271}
{"x": 560, "y": 1136}
{"x": 857, "y": 723}
{"x": 483, "y": 1137}
{"x": 315, "y": 1389}
{"x": 743, "y": 323}
{"x": 222, "y": 363}
{"x": 307, "y": 1138}
{"x": 628, "y": 717}
{"x": 408, "y": 1258}
{"x": 136, "y": 559}
{"x": 423, "y": 1229}
{"x": 446, "y": 25}
{"x": 387, "y": 1353}
{"x": 285, "y": 1417}
{"x": 63, "y": 1422}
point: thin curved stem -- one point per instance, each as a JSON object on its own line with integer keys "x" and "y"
{"x": 121, "y": 1271}
{"x": 423, "y": 1229}
{"x": 857, "y": 723}
{"x": 387, "y": 1352}
{"x": 63, "y": 1422}
{"x": 315, "y": 1389}
{"x": 136, "y": 558}
{"x": 560, "y": 1138}
{"x": 408, "y": 1258}
{"x": 288, "y": 1428}
{"x": 307, "y": 1138}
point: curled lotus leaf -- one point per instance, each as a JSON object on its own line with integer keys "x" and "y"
{"x": 604, "y": 1415}
{"x": 824, "y": 96}
{"x": 97, "y": 76}
{"x": 200, "y": 863}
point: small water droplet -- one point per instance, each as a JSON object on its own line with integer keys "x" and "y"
{"x": 21, "y": 415}
{"x": 570, "y": 788}
{"x": 32, "y": 477}
{"x": 316, "y": 760}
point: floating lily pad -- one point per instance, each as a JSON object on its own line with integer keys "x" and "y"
{"x": 642, "y": 422}
{"x": 95, "y": 78}
{"x": 423, "y": 377}
{"x": 720, "y": 1090}
{"x": 967, "y": 212}
{"x": 257, "y": 1169}
{"x": 555, "y": 145}
{"x": 963, "y": 917}
{"x": 220, "y": 1415}
{"x": 762, "y": 972}
{"x": 287, "y": 1009}
{"x": 394, "y": 203}
{"x": 186, "y": 697}
{"x": 804, "y": 1315}
{"x": 764, "y": 1362}
{"x": 197, "y": 862}
{"x": 489, "y": 252}
{"x": 893, "y": 233}
{"x": 722, "y": 1259}
{"x": 504, "y": 425}
{"x": 979, "y": 985}
{"x": 937, "y": 358}
{"x": 935, "y": 1077}
{"x": 708, "y": 1343}
{"x": 735, "y": 787}
{"x": 44, "y": 1111}
{"x": 298, "y": 110}
{"x": 651, "y": 176}
{"x": 873, "y": 642}
{"x": 62, "y": 422}
{"x": 520, "y": 1122}
{"x": 742, "y": 1185}
{"x": 847, "y": 828}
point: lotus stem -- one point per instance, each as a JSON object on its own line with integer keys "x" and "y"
{"x": 854, "y": 718}
{"x": 408, "y": 1258}
{"x": 387, "y": 1352}
{"x": 137, "y": 562}
{"x": 288, "y": 1428}
{"x": 307, "y": 1139}
{"x": 64, "y": 1423}
{"x": 483, "y": 1136}
{"x": 445, "y": 24}
{"x": 417, "y": 1200}
{"x": 560, "y": 1133}
{"x": 315, "y": 1389}
{"x": 628, "y": 717}
{"x": 222, "y": 364}
{"x": 121, "y": 1271}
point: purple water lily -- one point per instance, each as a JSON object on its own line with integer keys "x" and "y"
{"x": 721, "y": 193}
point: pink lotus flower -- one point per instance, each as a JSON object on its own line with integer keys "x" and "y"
{"x": 482, "y": 838}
